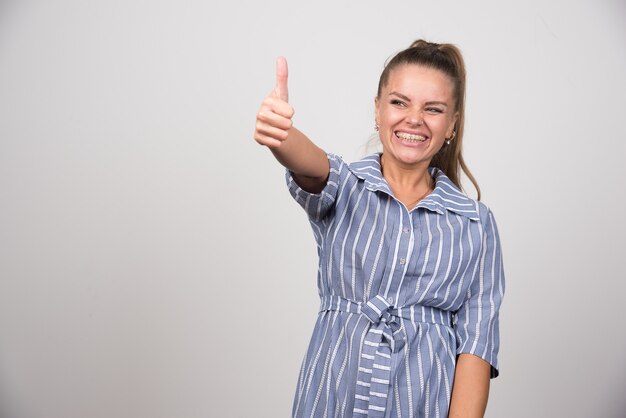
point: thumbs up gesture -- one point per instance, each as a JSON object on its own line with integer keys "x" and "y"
{"x": 273, "y": 121}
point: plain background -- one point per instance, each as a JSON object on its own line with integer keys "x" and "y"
{"x": 152, "y": 263}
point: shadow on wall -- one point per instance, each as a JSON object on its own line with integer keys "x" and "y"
{"x": 6, "y": 5}
{"x": 7, "y": 10}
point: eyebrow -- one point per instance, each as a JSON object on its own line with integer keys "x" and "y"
{"x": 403, "y": 97}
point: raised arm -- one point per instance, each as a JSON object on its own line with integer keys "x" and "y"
{"x": 274, "y": 129}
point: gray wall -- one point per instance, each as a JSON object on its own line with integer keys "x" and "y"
{"x": 152, "y": 263}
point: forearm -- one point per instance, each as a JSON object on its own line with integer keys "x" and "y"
{"x": 306, "y": 160}
{"x": 470, "y": 389}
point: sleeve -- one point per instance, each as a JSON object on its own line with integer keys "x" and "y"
{"x": 477, "y": 321}
{"x": 317, "y": 205}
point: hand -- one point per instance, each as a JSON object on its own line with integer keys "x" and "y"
{"x": 273, "y": 121}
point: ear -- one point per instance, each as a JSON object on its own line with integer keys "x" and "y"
{"x": 452, "y": 125}
{"x": 377, "y": 110}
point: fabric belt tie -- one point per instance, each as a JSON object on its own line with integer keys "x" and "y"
{"x": 384, "y": 337}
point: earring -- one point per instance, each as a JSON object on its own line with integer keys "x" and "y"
{"x": 376, "y": 127}
{"x": 449, "y": 140}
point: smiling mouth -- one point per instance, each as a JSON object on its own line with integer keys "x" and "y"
{"x": 410, "y": 137}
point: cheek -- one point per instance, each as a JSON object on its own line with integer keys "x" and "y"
{"x": 444, "y": 126}
{"x": 390, "y": 117}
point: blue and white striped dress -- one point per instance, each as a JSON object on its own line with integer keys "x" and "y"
{"x": 403, "y": 292}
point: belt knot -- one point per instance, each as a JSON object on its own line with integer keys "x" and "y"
{"x": 377, "y": 310}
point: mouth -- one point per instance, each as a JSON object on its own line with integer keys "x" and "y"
{"x": 407, "y": 137}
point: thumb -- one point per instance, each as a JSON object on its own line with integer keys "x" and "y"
{"x": 281, "y": 79}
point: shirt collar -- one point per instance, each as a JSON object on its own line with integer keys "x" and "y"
{"x": 445, "y": 196}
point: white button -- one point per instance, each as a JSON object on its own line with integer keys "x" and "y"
{"x": 390, "y": 300}
{"x": 402, "y": 261}
{"x": 405, "y": 230}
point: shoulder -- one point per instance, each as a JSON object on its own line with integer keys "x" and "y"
{"x": 367, "y": 163}
{"x": 448, "y": 197}
{"x": 365, "y": 171}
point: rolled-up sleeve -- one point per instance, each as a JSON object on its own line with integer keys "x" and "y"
{"x": 317, "y": 205}
{"x": 477, "y": 321}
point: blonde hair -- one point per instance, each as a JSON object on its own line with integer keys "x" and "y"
{"x": 446, "y": 58}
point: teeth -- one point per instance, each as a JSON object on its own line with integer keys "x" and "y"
{"x": 410, "y": 137}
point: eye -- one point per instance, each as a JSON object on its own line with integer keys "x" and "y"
{"x": 397, "y": 102}
{"x": 434, "y": 110}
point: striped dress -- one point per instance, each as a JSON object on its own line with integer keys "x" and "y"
{"x": 403, "y": 292}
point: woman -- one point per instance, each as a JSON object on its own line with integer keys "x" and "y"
{"x": 410, "y": 272}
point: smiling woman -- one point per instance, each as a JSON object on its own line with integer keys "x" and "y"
{"x": 415, "y": 113}
{"x": 410, "y": 268}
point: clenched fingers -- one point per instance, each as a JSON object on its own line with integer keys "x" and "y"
{"x": 273, "y": 122}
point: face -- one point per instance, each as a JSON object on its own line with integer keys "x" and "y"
{"x": 415, "y": 114}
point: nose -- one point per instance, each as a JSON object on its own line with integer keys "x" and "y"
{"x": 415, "y": 117}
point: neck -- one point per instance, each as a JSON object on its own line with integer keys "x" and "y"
{"x": 405, "y": 176}
{"x": 409, "y": 184}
